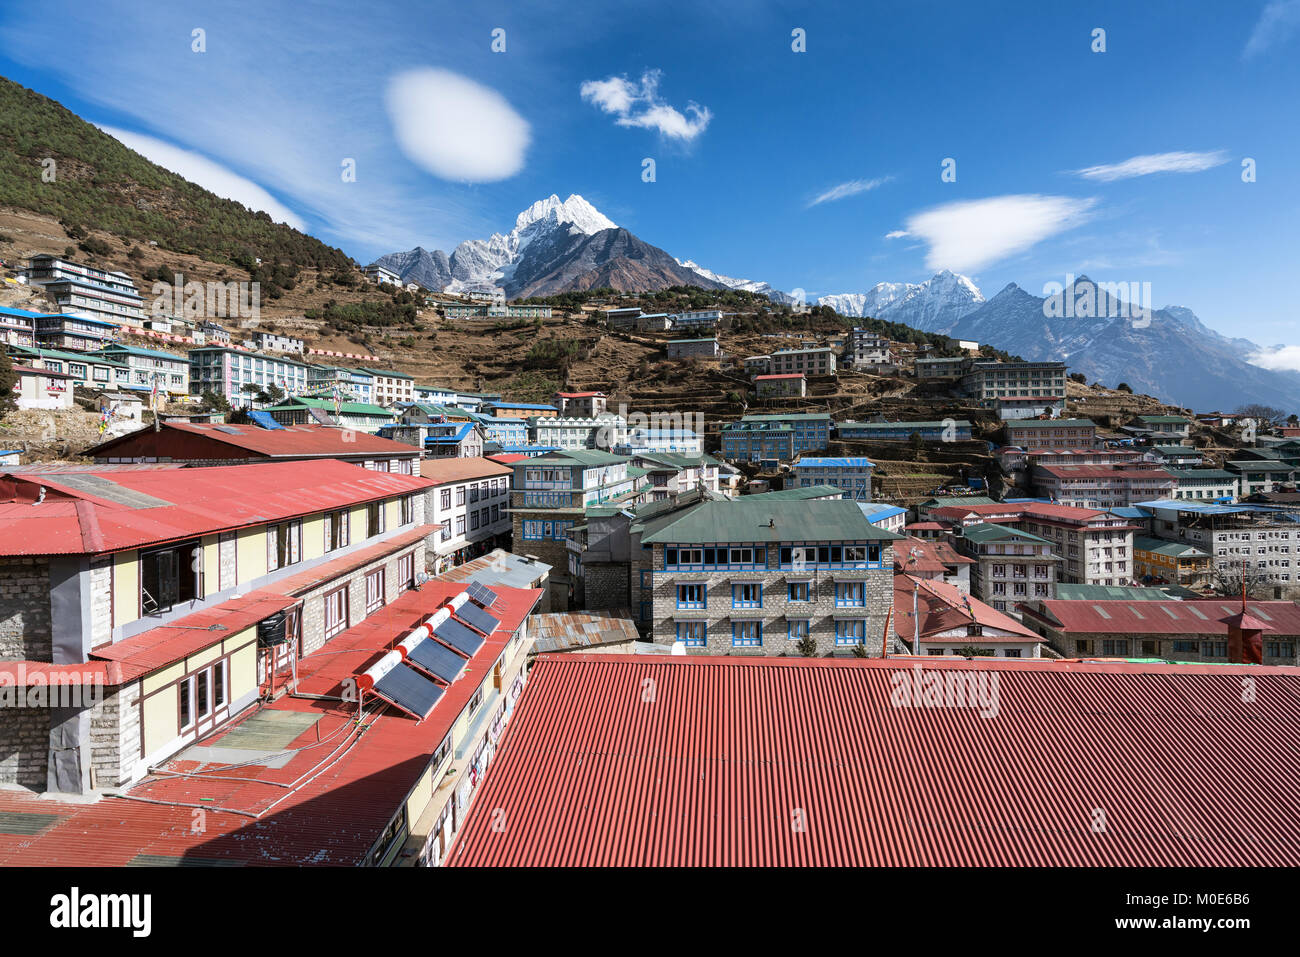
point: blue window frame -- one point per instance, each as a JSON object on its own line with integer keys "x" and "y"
{"x": 798, "y": 629}
{"x": 747, "y": 633}
{"x": 694, "y": 595}
{"x": 692, "y": 633}
{"x": 747, "y": 596}
{"x": 850, "y": 595}
{"x": 645, "y": 611}
{"x": 647, "y": 582}
{"x": 850, "y": 632}
{"x": 798, "y": 591}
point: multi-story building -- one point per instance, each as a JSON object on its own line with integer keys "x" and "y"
{"x": 148, "y": 367}
{"x": 749, "y": 438}
{"x": 817, "y": 360}
{"x": 758, "y": 365}
{"x": 1173, "y": 429}
{"x": 201, "y": 443}
{"x": 669, "y": 473}
{"x": 782, "y": 384}
{"x": 389, "y": 387}
{"x": 938, "y": 367}
{"x": 42, "y": 388}
{"x": 548, "y": 496}
{"x": 351, "y": 384}
{"x": 932, "y": 559}
{"x": 696, "y": 319}
{"x": 1184, "y": 631}
{"x": 944, "y": 430}
{"x": 170, "y": 598}
{"x": 603, "y": 431}
{"x": 226, "y": 372}
{"x": 1016, "y": 389}
{"x": 18, "y": 327}
{"x": 1101, "y": 486}
{"x": 503, "y": 431}
{"x": 688, "y": 348}
{"x": 1178, "y": 455}
{"x": 646, "y": 440}
{"x": 88, "y": 370}
{"x": 274, "y": 342}
{"x": 581, "y": 404}
{"x": 1010, "y": 565}
{"x": 850, "y": 474}
{"x": 208, "y": 331}
{"x": 1050, "y": 433}
{"x": 756, "y": 576}
{"x": 1158, "y": 561}
{"x": 520, "y": 410}
{"x": 469, "y": 507}
{"x": 87, "y": 291}
{"x": 867, "y": 349}
{"x": 489, "y": 310}
{"x": 354, "y": 416}
{"x": 1258, "y": 473}
{"x": 1216, "y": 485}
{"x": 934, "y": 618}
{"x": 623, "y": 318}
{"x": 381, "y": 275}
{"x": 74, "y": 331}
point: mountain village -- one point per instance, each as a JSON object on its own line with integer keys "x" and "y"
{"x": 334, "y": 579}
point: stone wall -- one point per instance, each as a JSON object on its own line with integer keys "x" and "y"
{"x": 101, "y": 601}
{"x": 25, "y": 610}
{"x": 24, "y": 746}
{"x": 313, "y": 613}
{"x": 115, "y": 736}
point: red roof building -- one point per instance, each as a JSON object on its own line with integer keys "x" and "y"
{"x": 948, "y": 620}
{"x": 615, "y": 760}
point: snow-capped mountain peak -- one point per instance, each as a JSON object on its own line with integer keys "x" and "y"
{"x": 574, "y": 210}
{"x": 934, "y": 305}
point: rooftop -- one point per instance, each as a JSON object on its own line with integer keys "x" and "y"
{"x": 292, "y": 441}
{"x": 760, "y": 518}
{"x": 464, "y": 468}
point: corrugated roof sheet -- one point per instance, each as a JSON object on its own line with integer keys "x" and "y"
{"x": 758, "y": 518}
{"x": 293, "y": 441}
{"x": 787, "y": 762}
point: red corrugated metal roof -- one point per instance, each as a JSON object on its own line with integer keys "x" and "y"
{"x": 782, "y": 375}
{"x": 294, "y": 441}
{"x": 942, "y": 607}
{"x": 81, "y": 518}
{"x": 340, "y": 801}
{"x": 463, "y": 468}
{"x": 647, "y": 760}
{"x": 505, "y": 458}
{"x": 1197, "y": 617}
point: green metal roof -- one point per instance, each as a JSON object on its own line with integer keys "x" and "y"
{"x": 948, "y": 500}
{"x": 987, "y": 532}
{"x": 1164, "y": 419}
{"x": 588, "y": 457}
{"x": 1187, "y": 474}
{"x": 796, "y": 494}
{"x": 760, "y": 519}
{"x": 1075, "y": 592}
{"x": 789, "y": 417}
{"x": 86, "y": 358}
{"x": 941, "y": 424}
{"x": 351, "y": 408}
{"x": 1161, "y": 546}
{"x": 385, "y": 372}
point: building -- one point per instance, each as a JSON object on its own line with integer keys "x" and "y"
{"x": 352, "y": 385}
{"x": 944, "y": 430}
{"x": 755, "y": 575}
{"x": 815, "y": 751}
{"x": 818, "y": 360}
{"x": 688, "y": 348}
{"x": 274, "y": 342}
{"x": 1161, "y": 429}
{"x": 209, "y": 331}
{"x": 1010, "y": 565}
{"x": 170, "y": 372}
{"x": 622, "y": 318}
{"x": 469, "y": 507}
{"x": 933, "y": 559}
{"x": 237, "y": 375}
{"x": 549, "y": 495}
{"x": 867, "y": 349}
{"x": 74, "y": 331}
{"x": 43, "y": 389}
{"x": 504, "y": 431}
{"x": 446, "y": 439}
{"x": 645, "y": 440}
{"x": 669, "y": 473}
{"x": 162, "y": 587}
{"x": 1050, "y": 433}
{"x": 491, "y": 310}
{"x": 198, "y": 444}
{"x": 1101, "y": 486}
{"x": 581, "y": 404}
{"x": 934, "y": 618}
{"x": 941, "y": 368}
{"x": 87, "y": 291}
{"x": 520, "y": 410}
{"x": 1186, "y": 631}
{"x": 892, "y": 518}
{"x": 381, "y": 275}
{"x": 747, "y": 439}
{"x": 760, "y": 442}
{"x": 389, "y": 387}
{"x": 758, "y": 365}
{"x": 1157, "y": 561}
{"x": 1178, "y": 455}
{"x": 1016, "y": 390}
{"x": 604, "y": 431}
{"x": 1214, "y": 485}
{"x": 852, "y": 475}
{"x": 357, "y": 416}
{"x": 787, "y": 384}
{"x": 17, "y": 327}
{"x": 88, "y": 370}
{"x": 695, "y": 319}
{"x": 1258, "y": 473}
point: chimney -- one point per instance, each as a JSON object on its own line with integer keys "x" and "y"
{"x": 1245, "y": 633}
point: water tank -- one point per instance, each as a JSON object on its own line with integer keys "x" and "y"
{"x": 271, "y": 630}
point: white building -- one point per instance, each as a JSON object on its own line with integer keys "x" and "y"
{"x": 381, "y": 275}
{"x": 852, "y": 475}
{"x": 43, "y": 389}
{"x": 470, "y": 506}
{"x": 273, "y": 342}
{"x": 607, "y": 431}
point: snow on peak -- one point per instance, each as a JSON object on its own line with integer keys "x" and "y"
{"x": 575, "y": 210}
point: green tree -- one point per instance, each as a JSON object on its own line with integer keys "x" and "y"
{"x": 807, "y": 646}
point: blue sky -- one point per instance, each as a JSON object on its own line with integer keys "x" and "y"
{"x": 1124, "y": 164}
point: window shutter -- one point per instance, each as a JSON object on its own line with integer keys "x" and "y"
{"x": 271, "y": 564}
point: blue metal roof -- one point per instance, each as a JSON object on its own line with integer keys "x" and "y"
{"x": 856, "y": 462}
{"x": 878, "y": 511}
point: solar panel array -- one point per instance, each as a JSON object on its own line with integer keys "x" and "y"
{"x": 409, "y": 690}
{"x": 481, "y": 594}
{"x": 476, "y": 616}
{"x": 459, "y": 637}
{"x": 439, "y": 660}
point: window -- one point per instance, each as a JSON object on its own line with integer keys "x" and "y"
{"x": 691, "y": 596}
{"x": 798, "y": 591}
{"x": 473, "y": 520}
{"x": 283, "y": 545}
{"x": 336, "y": 612}
{"x": 445, "y": 499}
{"x": 460, "y": 495}
{"x": 374, "y": 519}
{"x": 746, "y": 633}
{"x": 475, "y": 703}
{"x": 692, "y": 633}
{"x": 850, "y": 594}
{"x": 170, "y": 576}
{"x": 851, "y": 632}
{"x": 408, "y": 509}
{"x": 406, "y": 571}
{"x": 460, "y": 525}
{"x": 798, "y": 629}
{"x": 337, "y": 526}
{"x": 1115, "y": 647}
{"x": 374, "y": 590}
{"x": 1011, "y": 653}
{"x": 749, "y": 595}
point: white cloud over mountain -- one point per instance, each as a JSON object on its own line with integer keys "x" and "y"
{"x": 968, "y": 235}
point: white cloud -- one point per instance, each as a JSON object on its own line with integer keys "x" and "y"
{"x": 1276, "y": 23}
{"x": 455, "y": 128}
{"x": 897, "y": 234}
{"x": 965, "y": 236}
{"x": 639, "y": 105}
{"x": 1279, "y": 359}
{"x": 851, "y": 188}
{"x": 1179, "y": 162}
{"x": 212, "y": 176}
